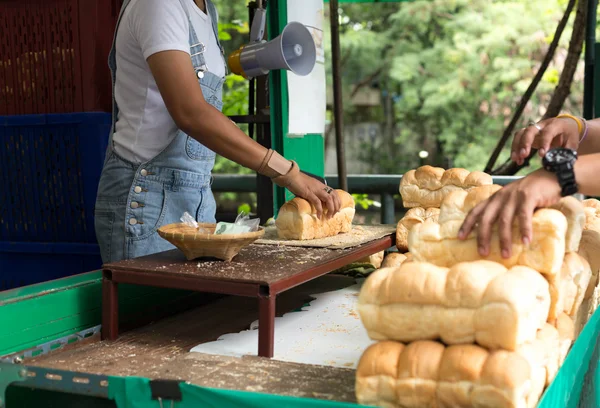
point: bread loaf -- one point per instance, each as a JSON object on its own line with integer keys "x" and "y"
{"x": 566, "y": 334}
{"x": 297, "y": 219}
{"x": 439, "y": 244}
{"x": 471, "y": 302}
{"x": 589, "y": 249}
{"x": 575, "y": 213}
{"x": 590, "y": 240}
{"x": 569, "y": 286}
{"x": 458, "y": 204}
{"x": 592, "y": 214}
{"x": 427, "y": 374}
{"x": 394, "y": 260}
{"x": 375, "y": 260}
{"x": 412, "y": 217}
{"x": 586, "y": 310}
{"x": 427, "y": 186}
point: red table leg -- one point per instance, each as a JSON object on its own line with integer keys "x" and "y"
{"x": 110, "y": 308}
{"x": 266, "y": 326}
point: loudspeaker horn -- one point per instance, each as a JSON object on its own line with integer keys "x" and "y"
{"x": 293, "y": 50}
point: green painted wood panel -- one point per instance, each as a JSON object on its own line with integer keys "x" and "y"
{"x": 41, "y": 313}
{"x": 308, "y": 151}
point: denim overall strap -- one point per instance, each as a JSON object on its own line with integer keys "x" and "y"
{"x": 196, "y": 46}
{"x": 112, "y": 65}
{"x": 212, "y": 11}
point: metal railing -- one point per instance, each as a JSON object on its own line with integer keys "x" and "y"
{"x": 386, "y": 186}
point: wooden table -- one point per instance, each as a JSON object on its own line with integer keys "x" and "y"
{"x": 260, "y": 271}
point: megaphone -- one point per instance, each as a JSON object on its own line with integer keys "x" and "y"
{"x": 294, "y": 50}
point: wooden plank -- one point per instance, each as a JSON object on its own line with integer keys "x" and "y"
{"x": 161, "y": 350}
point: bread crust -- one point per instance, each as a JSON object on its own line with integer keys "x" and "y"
{"x": 413, "y": 217}
{"x": 427, "y": 186}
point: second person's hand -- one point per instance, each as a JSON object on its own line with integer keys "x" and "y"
{"x": 517, "y": 200}
{"x": 544, "y": 135}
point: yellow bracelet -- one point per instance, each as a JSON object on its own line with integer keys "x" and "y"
{"x": 579, "y": 124}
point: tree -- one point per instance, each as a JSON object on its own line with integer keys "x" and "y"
{"x": 454, "y": 71}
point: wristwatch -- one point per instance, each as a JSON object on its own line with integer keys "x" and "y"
{"x": 561, "y": 161}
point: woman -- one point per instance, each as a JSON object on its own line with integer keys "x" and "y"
{"x": 570, "y": 148}
{"x": 168, "y": 70}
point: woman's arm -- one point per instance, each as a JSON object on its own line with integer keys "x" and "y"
{"x": 587, "y": 169}
{"x": 178, "y": 85}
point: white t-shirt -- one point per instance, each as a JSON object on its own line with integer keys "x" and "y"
{"x": 144, "y": 126}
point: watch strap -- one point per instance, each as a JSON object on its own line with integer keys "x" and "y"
{"x": 567, "y": 181}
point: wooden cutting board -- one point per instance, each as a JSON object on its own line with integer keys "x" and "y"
{"x": 360, "y": 234}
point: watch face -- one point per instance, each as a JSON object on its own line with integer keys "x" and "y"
{"x": 560, "y": 156}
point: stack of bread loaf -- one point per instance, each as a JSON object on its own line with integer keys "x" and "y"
{"x": 456, "y": 330}
{"x": 423, "y": 191}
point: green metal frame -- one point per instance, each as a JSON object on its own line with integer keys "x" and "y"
{"x": 307, "y": 150}
{"x": 278, "y": 93}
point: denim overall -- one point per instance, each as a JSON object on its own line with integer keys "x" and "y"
{"x": 135, "y": 199}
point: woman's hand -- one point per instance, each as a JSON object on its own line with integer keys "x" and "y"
{"x": 562, "y": 132}
{"x": 316, "y": 193}
{"x": 311, "y": 189}
{"x": 518, "y": 199}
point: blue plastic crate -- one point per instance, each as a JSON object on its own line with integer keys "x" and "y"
{"x": 50, "y": 166}
{"x": 24, "y": 264}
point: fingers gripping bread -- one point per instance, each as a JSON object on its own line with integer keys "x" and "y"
{"x": 439, "y": 244}
{"x": 478, "y": 301}
{"x": 427, "y": 186}
{"x": 413, "y": 217}
{"x": 297, "y": 219}
{"x": 427, "y": 374}
{"x": 457, "y": 204}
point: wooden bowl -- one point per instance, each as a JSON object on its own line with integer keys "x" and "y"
{"x": 195, "y": 244}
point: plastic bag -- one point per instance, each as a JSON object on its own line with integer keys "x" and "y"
{"x": 243, "y": 218}
{"x": 242, "y": 224}
{"x": 188, "y": 220}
